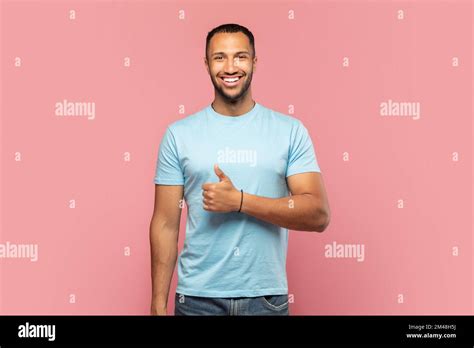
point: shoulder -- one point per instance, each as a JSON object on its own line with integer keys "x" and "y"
{"x": 187, "y": 123}
{"x": 287, "y": 121}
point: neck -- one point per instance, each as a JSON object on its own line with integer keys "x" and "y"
{"x": 236, "y": 108}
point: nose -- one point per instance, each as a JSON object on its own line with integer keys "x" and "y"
{"x": 231, "y": 65}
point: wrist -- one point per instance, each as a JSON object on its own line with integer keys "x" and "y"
{"x": 239, "y": 201}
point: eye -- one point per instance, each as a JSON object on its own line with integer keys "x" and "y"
{"x": 217, "y": 58}
{"x": 242, "y": 57}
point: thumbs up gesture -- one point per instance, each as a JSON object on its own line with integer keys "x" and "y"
{"x": 222, "y": 196}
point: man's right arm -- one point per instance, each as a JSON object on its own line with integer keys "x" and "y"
{"x": 164, "y": 232}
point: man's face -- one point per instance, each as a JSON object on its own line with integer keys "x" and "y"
{"x": 230, "y": 56}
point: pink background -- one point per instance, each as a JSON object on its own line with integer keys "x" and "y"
{"x": 81, "y": 251}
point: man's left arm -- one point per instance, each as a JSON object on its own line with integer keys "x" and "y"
{"x": 307, "y": 209}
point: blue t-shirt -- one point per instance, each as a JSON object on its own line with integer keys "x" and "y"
{"x": 233, "y": 254}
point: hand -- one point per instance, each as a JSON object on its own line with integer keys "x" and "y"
{"x": 220, "y": 197}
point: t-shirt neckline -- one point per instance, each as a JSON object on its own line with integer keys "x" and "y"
{"x": 232, "y": 119}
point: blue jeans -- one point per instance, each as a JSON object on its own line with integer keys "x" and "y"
{"x": 262, "y": 305}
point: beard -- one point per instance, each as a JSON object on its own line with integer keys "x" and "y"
{"x": 233, "y": 98}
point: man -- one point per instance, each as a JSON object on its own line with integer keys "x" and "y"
{"x": 233, "y": 162}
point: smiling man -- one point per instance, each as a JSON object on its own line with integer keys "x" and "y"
{"x": 247, "y": 174}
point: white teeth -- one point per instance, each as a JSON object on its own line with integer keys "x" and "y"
{"x": 231, "y": 80}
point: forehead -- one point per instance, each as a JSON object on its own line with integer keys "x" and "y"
{"x": 229, "y": 42}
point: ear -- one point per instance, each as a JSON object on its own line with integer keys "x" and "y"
{"x": 207, "y": 66}
{"x": 255, "y": 63}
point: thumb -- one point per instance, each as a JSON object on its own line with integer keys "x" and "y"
{"x": 220, "y": 173}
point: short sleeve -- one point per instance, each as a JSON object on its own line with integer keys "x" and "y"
{"x": 168, "y": 169}
{"x": 301, "y": 157}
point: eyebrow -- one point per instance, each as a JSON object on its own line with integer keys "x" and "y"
{"x": 223, "y": 53}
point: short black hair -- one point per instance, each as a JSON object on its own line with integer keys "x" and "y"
{"x": 231, "y": 28}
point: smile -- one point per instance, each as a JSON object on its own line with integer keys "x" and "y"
{"x": 231, "y": 81}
